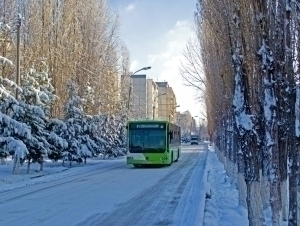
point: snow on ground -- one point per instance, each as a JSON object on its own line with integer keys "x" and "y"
{"x": 182, "y": 204}
{"x": 52, "y": 171}
{"x": 222, "y": 209}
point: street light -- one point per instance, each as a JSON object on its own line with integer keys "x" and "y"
{"x": 154, "y": 103}
{"x": 142, "y": 69}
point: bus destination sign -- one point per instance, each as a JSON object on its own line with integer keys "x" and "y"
{"x": 148, "y": 126}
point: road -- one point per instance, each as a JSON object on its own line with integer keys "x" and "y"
{"x": 116, "y": 194}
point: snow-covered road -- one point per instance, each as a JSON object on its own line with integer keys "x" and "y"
{"x": 114, "y": 194}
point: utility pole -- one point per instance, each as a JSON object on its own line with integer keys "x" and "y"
{"x": 19, "y": 19}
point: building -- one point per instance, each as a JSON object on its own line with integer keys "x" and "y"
{"x": 166, "y": 102}
{"x": 138, "y": 99}
{"x": 152, "y": 101}
{"x": 185, "y": 121}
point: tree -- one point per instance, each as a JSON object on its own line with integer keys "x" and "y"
{"x": 12, "y": 132}
{"x": 88, "y": 99}
{"x": 74, "y": 121}
{"x": 248, "y": 52}
{"x": 57, "y": 138}
{"x": 36, "y": 99}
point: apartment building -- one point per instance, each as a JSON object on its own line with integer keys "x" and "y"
{"x": 185, "y": 121}
{"x": 166, "y": 102}
{"x": 149, "y": 99}
{"x": 152, "y": 101}
{"x": 138, "y": 99}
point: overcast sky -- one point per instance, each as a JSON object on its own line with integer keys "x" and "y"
{"x": 156, "y": 33}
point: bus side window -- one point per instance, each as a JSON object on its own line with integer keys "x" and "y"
{"x": 171, "y": 135}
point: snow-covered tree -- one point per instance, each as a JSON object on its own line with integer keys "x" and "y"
{"x": 88, "y": 99}
{"x": 114, "y": 134}
{"x": 12, "y": 132}
{"x": 35, "y": 103}
{"x": 73, "y": 116}
{"x": 97, "y": 130}
{"x": 56, "y": 138}
{"x": 121, "y": 132}
{"x": 108, "y": 134}
{"x": 38, "y": 146}
{"x": 250, "y": 57}
{"x": 39, "y": 89}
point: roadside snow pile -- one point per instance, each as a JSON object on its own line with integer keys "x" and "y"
{"x": 222, "y": 207}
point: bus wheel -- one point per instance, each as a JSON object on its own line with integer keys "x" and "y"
{"x": 177, "y": 156}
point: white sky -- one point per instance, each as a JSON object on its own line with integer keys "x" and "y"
{"x": 156, "y": 33}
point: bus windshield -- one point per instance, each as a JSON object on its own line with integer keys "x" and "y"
{"x": 147, "y": 141}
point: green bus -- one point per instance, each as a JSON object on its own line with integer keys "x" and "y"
{"x": 153, "y": 142}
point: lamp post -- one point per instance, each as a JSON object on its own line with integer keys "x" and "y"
{"x": 142, "y": 69}
{"x": 18, "y": 54}
{"x": 154, "y": 103}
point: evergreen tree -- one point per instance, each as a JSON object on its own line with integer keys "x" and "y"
{"x": 73, "y": 114}
{"x": 35, "y": 103}
{"x": 88, "y": 99}
{"x": 121, "y": 132}
{"x": 89, "y": 143}
{"x": 12, "y": 132}
{"x": 97, "y": 131}
{"x": 110, "y": 135}
{"x": 40, "y": 83}
{"x": 56, "y": 138}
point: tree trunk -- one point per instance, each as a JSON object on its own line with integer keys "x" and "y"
{"x": 241, "y": 181}
{"x": 16, "y": 166}
{"x": 290, "y": 114}
{"x": 284, "y": 199}
{"x": 28, "y": 166}
{"x": 41, "y": 162}
{"x": 255, "y": 211}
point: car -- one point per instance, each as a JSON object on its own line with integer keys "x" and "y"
{"x": 194, "y": 140}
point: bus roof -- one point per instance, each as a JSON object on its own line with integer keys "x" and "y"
{"x": 148, "y": 121}
{"x": 151, "y": 121}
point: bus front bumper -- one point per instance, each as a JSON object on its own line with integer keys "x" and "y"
{"x": 148, "y": 161}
